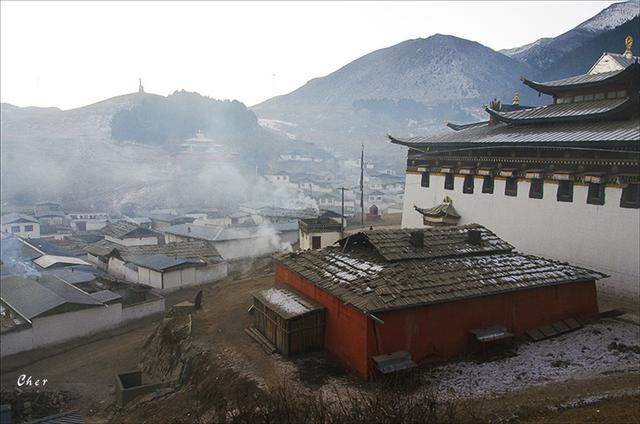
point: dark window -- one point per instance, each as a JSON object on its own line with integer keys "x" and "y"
{"x": 15, "y": 228}
{"x": 536, "y": 188}
{"x": 630, "y": 196}
{"x": 596, "y": 194}
{"x": 425, "y": 180}
{"x": 315, "y": 242}
{"x": 511, "y": 186}
{"x": 448, "y": 181}
{"x": 487, "y": 184}
{"x": 28, "y": 227}
{"x": 467, "y": 187}
{"x": 565, "y": 191}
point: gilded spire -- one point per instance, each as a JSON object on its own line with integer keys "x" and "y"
{"x": 628, "y": 43}
{"x": 516, "y": 98}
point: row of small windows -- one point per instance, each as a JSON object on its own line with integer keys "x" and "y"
{"x": 16, "y": 228}
{"x": 630, "y": 197}
{"x": 590, "y": 97}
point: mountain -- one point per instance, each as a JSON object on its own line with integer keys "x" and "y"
{"x": 413, "y": 86}
{"x": 124, "y": 149}
{"x": 544, "y": 53}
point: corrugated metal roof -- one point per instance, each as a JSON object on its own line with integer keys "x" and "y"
{"x": 47, "y": 261}
{"x": 68, "y": 292}
{"x": 71, "y": 417}
{"x": 564, "y": 110}
{"x": 28, "y": 297}
{"x": 579, "y": 79}
{"x": 555, "y": 134}
{"x": 71, "y": 275}
{"x": 106, "y": 296}
{"x": 163, "y": 262}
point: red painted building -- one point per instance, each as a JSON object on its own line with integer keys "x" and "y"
{"x": 423, "y": 291}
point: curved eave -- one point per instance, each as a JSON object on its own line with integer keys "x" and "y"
{"x": 459, "y": 127}
{"x": 545, "y": 88}
{"x": 611, "y": 113}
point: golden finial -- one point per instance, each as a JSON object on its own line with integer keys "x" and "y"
{"x": 447, "y": 200}
{"x": 516, "y": 98}
{"x": 628, "y": 43}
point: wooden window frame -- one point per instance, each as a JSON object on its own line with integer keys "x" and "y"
{"x": 595, "y": 194}
{"x": 565, "y": 191}
{"x": 626, "y": 201}
{"x": 468, "y": 184}
{"x": 449, "y": 181}
{"x": 488, "y": 184}
{"x": 313, "y": 242}
{"x": 511, "y": 191}
{"x": 536, "y": 188}
{"x": 424, "y": 179}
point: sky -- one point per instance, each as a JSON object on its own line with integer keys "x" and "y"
{"x": 70, "y": 54}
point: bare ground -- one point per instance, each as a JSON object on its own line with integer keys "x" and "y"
{"x": 87, "y": 367}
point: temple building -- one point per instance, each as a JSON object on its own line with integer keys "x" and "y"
{"x": 561, "y": 180}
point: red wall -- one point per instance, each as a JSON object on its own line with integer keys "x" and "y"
{"x": 441, "y": 330}
{"x": 346, "y": 328}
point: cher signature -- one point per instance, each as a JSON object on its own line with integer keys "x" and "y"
{"x": 27, "y": 380}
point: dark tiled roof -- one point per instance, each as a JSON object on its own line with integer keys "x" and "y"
{"x": 70, "y": 417}
{"x": 196, "y": 249}
{"x": 106, "y": 296}
{"x": 315, "y": 224}
{"x": 565, "y": 112}
{"x": 443, "y": 209}
{"x": 395, "y": 245}
{"x": 122, "y": 229}
{"x": 363, "y": 278}
{"x": 554, "y": 134}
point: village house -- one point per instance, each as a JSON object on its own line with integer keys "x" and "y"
{"x": 160, "y": 221}
{"x": 316, "y": 233}
{"x": 165, "y": 267}
{"x": 431, "y": 294}
{"x": 543, "y": 176}
{"x": 126, "y": 233}
{"x": 238, "y": 242}
{"x": 20, "y": 225}
{"x": 54, "y": 309}
{"x": 49, "y": 213}
{"x": 88, "y": 221}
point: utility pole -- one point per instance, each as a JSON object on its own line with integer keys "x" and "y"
{"x": 342, "y": 214}
{"x": 362, "y": 186}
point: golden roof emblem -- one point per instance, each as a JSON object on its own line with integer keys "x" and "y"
{"x": 628, "y": 43}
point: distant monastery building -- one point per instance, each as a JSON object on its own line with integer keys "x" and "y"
{"x": 561, "y": 180}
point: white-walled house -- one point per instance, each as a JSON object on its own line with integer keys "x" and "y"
{"x": 88, "y": 221}
{"x": 316, "y": 233}
{"x": 20, "y": 225}
{"x": 165, "y": 267}
{"x": 126, "y": 233}
{"x": 51, "y": 311}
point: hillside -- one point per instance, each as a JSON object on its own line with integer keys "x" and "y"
{"x": 411, "y": 86}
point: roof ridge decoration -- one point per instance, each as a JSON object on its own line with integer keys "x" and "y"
{"x": 628, "y": 44}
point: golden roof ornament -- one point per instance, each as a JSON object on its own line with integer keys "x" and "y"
{"x": 447, "y": 200}
{"x": 516, "y": 98}
{"x": 628, "y": 43}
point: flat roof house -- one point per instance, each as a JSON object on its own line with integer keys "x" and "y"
{"x": 424, "y": 291}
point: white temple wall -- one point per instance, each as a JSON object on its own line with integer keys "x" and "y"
{"x": 604, "y": 238}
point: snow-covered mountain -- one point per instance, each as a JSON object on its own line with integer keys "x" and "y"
{"x": 545, "y": 52}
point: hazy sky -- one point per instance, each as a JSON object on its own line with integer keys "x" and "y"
{"x": 69, "y": 54}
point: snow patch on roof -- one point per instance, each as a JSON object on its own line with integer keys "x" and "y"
{"x": 285, "y": 300}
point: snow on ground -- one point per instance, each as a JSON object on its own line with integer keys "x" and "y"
{"x": 583, "y": 353}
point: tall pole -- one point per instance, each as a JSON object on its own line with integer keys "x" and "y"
{"x": 342, "y": 216}
{"x": 362, "y": 186}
